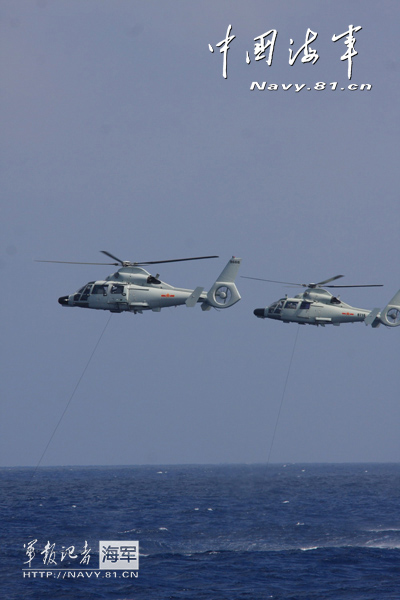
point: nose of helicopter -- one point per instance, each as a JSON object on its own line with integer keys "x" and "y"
{"x": 63, "y": 300}
{"x": 259, "y": 312}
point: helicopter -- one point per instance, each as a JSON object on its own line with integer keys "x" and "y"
{"x": 133, "y": 289}
{"x": 317, "y": 306}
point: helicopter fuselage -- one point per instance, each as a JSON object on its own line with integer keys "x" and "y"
{"x": 133, "y": 289}
{"x": 129, "y": 289}
{"x": 313, "y": 307}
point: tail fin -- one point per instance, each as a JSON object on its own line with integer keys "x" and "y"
{"x": 390, "y": 315}
{"x": 224, "y": 292}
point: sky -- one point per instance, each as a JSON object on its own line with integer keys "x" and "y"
{"x": 120, "y": 133}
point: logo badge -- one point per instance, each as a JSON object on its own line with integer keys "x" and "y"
{"x": 114, "y": 555}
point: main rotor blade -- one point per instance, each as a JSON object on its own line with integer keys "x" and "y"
{"x": 158, "y": 262}
{"x": 273, "y": 281}
{"x": 121, "y": 262}
{"x": 297, "y": 284}
{"x": 314, "y": 285}
{"x": 69, "y": 262}
{"x": 351, "y": 286}
{"x": 328, "y": 280}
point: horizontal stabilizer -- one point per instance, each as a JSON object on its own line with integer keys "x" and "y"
{"x": 369, "y": 319}
{"x": 194, "y": 296}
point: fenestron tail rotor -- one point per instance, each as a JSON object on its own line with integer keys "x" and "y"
{"x": 223, "y": 295}
{"x": 393, "y": 316}
{"x": 127, "y": 263}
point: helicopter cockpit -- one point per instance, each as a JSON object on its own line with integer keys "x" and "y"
{"x": 94, "y": 289}
{"x": 83, "y": 294}
{"x": 276, "y": 307}
{"x": 98, "y": 294}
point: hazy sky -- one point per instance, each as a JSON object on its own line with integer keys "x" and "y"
{"x": 119, "y": 133}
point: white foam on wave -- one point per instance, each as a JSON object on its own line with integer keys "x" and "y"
{"x": 383, "y": 544}
{"x": 383, "y": 529}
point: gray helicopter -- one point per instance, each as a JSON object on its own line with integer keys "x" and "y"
{"x": 317, "y": 306}
{"x": 133, "y": 289}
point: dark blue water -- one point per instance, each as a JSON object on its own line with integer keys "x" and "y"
{"x": 311, "y": 532}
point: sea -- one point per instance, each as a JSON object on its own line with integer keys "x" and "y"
{"x": 217, "y": 532}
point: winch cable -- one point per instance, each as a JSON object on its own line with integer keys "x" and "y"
{"x": 283, "y": 395}
{"x": 72, "y": 395}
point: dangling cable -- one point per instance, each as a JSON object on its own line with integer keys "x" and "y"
{"x": 71, "y": 397}
{"x": 283, "y": 394}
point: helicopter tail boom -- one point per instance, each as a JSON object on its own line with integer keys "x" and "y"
{"x": 224, "y": 292}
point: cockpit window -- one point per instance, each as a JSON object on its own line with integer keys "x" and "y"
{"x": 272, "y": 307}
{"x": 291, "y": 304}
{"x": 86, "y": 292}
{"x": 117, "y": 289}
{"x": 305, "y": 305}
{"x": 100, "y": 289}
{"x": 278, "y": 307}
{"x": 82, "y": 294}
